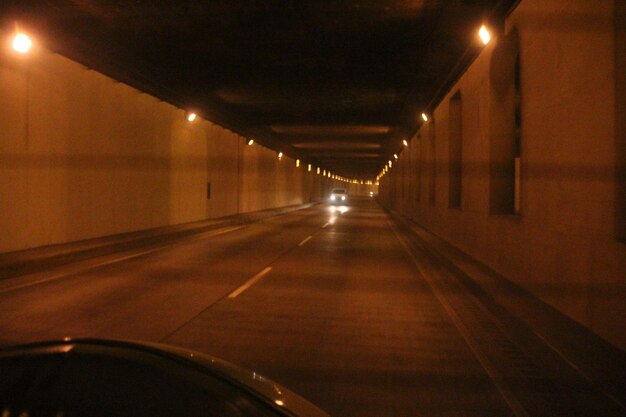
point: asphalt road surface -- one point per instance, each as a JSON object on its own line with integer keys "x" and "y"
{"x": 327, "y": 301}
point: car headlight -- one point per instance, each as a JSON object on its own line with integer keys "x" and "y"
{"x": 343, "y": 198}
{"x": 332, "y": 197}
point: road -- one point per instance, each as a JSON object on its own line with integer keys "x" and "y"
{"x": 328, "y": 301}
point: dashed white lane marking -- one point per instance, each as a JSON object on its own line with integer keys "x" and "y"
{"x": 327, "y": 223}
{"x": 250, "y": 282}
{"x": 305, "y": 240}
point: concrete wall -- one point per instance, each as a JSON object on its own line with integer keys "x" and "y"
{"x": 83, "y": 156}
{"x": 620, "y": 118}
{"x": 562, "y": 245}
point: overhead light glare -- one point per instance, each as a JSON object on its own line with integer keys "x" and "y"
{"x": 191, "y": 117}
{"x": 280, "y": 155}
{"x": 484, "y": 34}
{"x": 22, "y": 43}
{"x": 297, "y": 163}
{"x": 250, "y": 142}
{"x": 424, "y": 117}
{"x": 309, "y": 168}
{"x": 405, "y": 142}
{"x": 395, "y": 155}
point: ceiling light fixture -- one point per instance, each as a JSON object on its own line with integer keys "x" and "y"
{"x": 484, "y": 34}
{"x": 22, "y": 43}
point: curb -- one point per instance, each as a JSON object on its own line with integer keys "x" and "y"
{"x": 23, "y": 262}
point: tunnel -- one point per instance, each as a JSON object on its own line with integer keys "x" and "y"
{"x": 391, "y": 208}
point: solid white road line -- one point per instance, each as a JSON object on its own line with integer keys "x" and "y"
{"x": 305, "y": 240}
{"x": 113, "y": 261}
{"x": 499, "y": 382}
{"x": 250, "y": 282}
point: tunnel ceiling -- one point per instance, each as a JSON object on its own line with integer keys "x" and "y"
{"x": 337, "y": 83}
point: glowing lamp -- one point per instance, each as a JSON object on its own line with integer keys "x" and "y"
{"x": 484, "y": 34}
{"x": 22, "y": 43}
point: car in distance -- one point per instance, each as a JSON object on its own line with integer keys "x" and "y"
{"x": 338, "y": 196}
{"x": 97, "y": 377}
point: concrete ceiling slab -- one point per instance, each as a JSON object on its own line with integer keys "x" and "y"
{"x": 276, "y": 70}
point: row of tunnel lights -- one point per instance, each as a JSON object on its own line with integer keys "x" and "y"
{"x": 395, "y": 155}
{"x": 485, "y": 37}
{"x": 320, "y": 171}
{"x": 22, "y": 44}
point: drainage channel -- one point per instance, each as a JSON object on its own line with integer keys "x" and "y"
{"x": 530, "y": 384}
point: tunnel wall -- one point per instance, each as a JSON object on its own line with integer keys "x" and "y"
{"x": 563, "y": 239}
{"x": 84, "y": 156}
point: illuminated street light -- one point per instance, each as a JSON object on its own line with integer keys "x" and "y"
{"x": 395, "y": 155}
{"x": 22, "y": 43}
{"x": 484, "y": 34}
{"x": 250, "y": 142}
{"x": 297, "y": 163}
{"x": 405, "y": 142}
{"x": 280, "y": 155}
{"x": 191, "y": 117}
{"x": 318, "y": 170}
{"x": 390, "y": 164}
{"x": 309, "y": 168}
{"x": 424, "y": 117}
